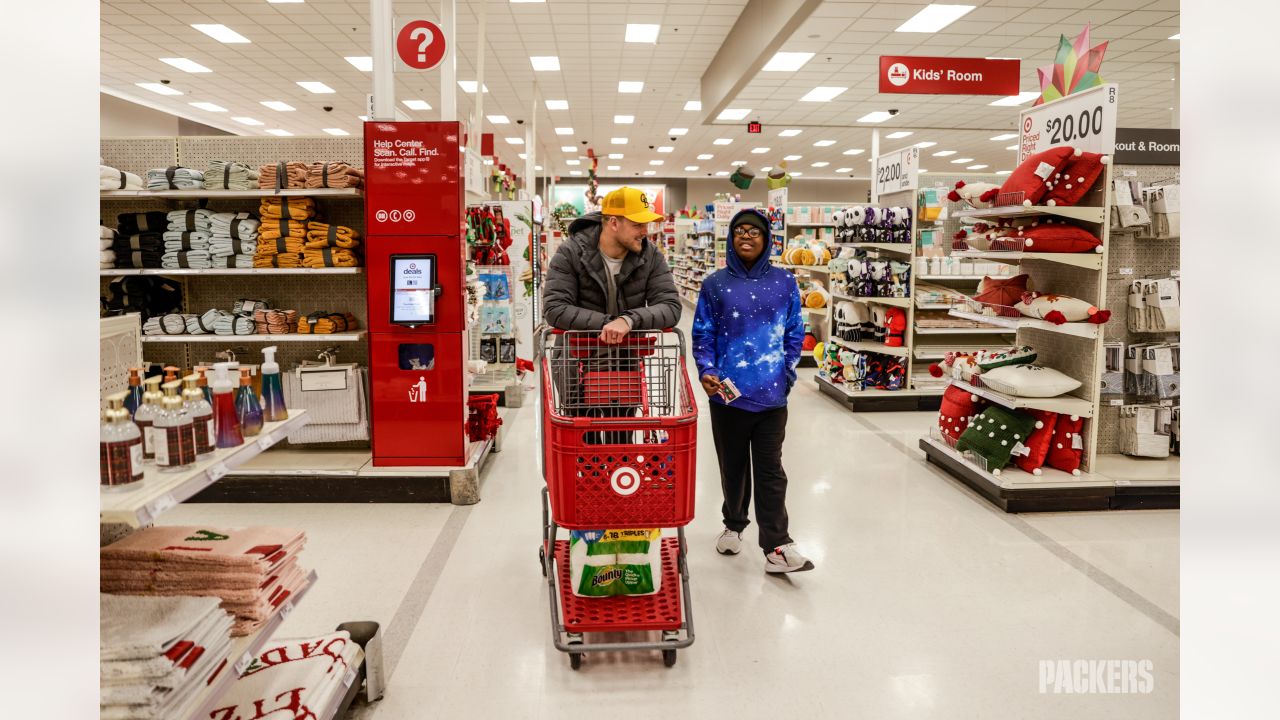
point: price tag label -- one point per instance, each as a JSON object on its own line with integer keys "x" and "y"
{"x": 898, "y": 171}
{"x": 217, "y": 471}
{"x": 1126, "y": 271}
{"x": 243, "y": 663}
{"x": 1085, "y": 121}
{"x": 286, "y": 609}
{"x": 349, "y": 677}
{"x": 266, "y": 441}
{"x": 160, "y": 504}
{"x": 1123, "y": 483}
{"x": 1115, "y": 402}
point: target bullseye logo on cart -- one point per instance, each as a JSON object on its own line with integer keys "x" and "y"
{"x": 625, "y": 481}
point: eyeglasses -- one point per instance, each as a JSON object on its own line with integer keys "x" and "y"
{"x": 752, "y": 233}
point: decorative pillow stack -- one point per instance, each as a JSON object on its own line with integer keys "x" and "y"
{"x": 1016, "y": 355}
{"x": 957, "y": 411}
{"x": 1070, "y": 184}
{"x": 1066, "y": 447}
{"x": 1031, "y": 178}
{"x": 995, "y": 433}
{"x": 1031, "y": 456}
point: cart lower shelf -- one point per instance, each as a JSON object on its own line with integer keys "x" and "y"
{"x": 660, "y": 611}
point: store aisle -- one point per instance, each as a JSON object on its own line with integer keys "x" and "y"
{"x": 926, "y": 602}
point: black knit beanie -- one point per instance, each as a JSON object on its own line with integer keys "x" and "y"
{"x": 751, "y": 218}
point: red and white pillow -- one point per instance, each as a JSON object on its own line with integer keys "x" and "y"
{"x": 1069, "y": 185}
{"x": 1066, "y": 447}
{"x": 1059, "y": 309}
{"x": 1031, "y": 178}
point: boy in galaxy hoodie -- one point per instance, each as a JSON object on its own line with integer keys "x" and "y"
{"x": 748, "y": 330}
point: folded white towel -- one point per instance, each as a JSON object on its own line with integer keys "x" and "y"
{"x": 170, "y": 324}
{"x": 107, "y": 257}
{"x": 180, "y": 241}
{"x": 140, "y": 628}
{"x": 226, "y": 175}
{"x": 234, "y": 225}
{"x": 106, "y": 233}
{"x": 232, "y": 261}
{"x": 194, "y": 259}
{"x": 222, "y": 247}
{"x": 190, "y": 220}
{"x": 105, "y": 243}
{"x": 110, "y": 178}
{"x": 174, "y": 178}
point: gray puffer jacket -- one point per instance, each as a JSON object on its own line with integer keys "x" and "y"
{"x": 575, "y": 291}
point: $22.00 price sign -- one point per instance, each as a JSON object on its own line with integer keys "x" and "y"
{"x": 898, "y": 171}
{"x": 1085, "y": 121}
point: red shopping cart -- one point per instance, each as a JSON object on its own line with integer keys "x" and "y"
{"x": 619, "y": 434}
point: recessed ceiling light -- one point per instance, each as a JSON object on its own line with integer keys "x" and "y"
{"x": 545, "y": 63}
{"x": 336, "y": 131}
{"x": 641, "y": 33}
{"x": 853, "y": 151}
{"x": 568, "y": 148}
{"x": 615, "y": 156}
{"x": 1004, "y": 172}
{"x": 557, "y": 104}
{"x": 665, "y": 148}
{"x": 656, "y": 163}
{"x": 363, "y": 118}
{"x": 677, "y": 132}
{"x": 925, "y": 144}
{"x": 527, "y": 1}
{"x": 564, "y": 131}
{"x": 944, "y": 153}
{"x": 787, "y": 61}
{"x": 538, "y": 168}
{"x": 738, "y": 163}
{"x": 822, "y": 94}
{"x": 469, "y": 86}
{"x": 630, "y": 86}
{"x": 160, "y": 89}
{"x": 573, "y": 162}
{"x": 221, "y": 33}
{"x": 649, "y": 172}
{"x": 961, "y": 161}
{"x": 693, "y": 105}
{"x": 922, "y": 170}
{"x": 318, "y": 88}
{"x": 690, "y": 168}
{"x": 575, "y": 173}
{"x": 186, "y": 65}
{"x": 933, "y": 18}
{"x": 416, "y": 104}
{"x": 363, "y": 63}
{"x": 844, "y": 170}
{"x": 766, "y": 168}
{"x": 210, "y": 107}
{"x": 247, "y": 121}
{"x": 279, "y": 133}
{"x": 705, "y": 156}
{"x": 733, "y": 113}
{"x": 1176, "y": 36}
{"x": 796, "y": 174}
{"x": 722, "y": 173}
{"x": 499, "y": 119}
{"x": 793, "y": 157}
{"x": 523, "y": 156}
{"x": 899, "y": 134}
{"x": 759, "y": 151}
{"x": 1011, "y": 147}
{"x": 790, "y": 132}
{"x": 975, "y": 167}
{"x": 824, "y": 143}
{"x": 1005, "y": 136}
{"x": 1020, "y": 99}
{"x": 722, "y": 141}
{"x": 613, "y": 167}
{"x": 515, "y": 141}
{"x": 820, "y": 163}
{"x": 618, "y": 141}
{"x": 624, "y": 119}
{"x": 875, "y": 117}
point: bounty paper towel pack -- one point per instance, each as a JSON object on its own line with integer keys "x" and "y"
{"x": 603, "y": 563}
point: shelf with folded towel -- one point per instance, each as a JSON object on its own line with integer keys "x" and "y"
{"x": 234, "y": 271}
{"x": 1077, "y": 329}
{"x": 895, "y": 302}
{"x": 140, "y": 503}
{"x": 1062, "y": 404}
{"x": 288, "y": 337}
{"x": 1085, "y": 214}
{"x": 875, "y": 347}
{"x": 336, "y": 193}
{"x": 1087, "y": 260}
{"x": 907, "y": 248}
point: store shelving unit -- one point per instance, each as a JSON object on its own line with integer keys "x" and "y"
{"x": 321, "y": 193}
{"x": 123, "y": 272}
{"x": 232, "y": 339}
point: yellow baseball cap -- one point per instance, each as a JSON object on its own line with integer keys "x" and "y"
{"x": 631, "y": 204}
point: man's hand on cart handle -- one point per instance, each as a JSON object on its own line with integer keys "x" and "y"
{"x": 711, "y": 384}
{"x": 615, "y": 331}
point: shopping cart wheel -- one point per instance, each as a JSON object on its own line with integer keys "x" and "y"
{"x": 575, "y": 660}
{"x": 542, "y": 559}
{"x": 669, "y": 658}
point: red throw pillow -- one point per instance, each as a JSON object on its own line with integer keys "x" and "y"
{"x": 1059, "y": 238}
{"x": 1063, "y": 453}
{"x": 1031, "y": 176}
{"x": 1038, "y": 442}
{"x": 1002, "y": 295}
{"x": 957, "y": 409}
{"x": 1069, "y": 185}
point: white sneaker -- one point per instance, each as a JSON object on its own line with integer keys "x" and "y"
{"x": 729, "y": 542}
{"x": 785, "y": 559}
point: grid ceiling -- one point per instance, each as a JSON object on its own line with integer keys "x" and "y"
{"x": 308, "y": 41}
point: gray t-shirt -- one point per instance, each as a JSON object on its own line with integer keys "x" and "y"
{"x": 612, "y": 268}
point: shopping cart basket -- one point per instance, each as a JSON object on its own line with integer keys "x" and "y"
{"x": 618, "y": 426}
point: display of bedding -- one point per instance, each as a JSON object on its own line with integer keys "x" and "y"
{"x": 110, "y": 178}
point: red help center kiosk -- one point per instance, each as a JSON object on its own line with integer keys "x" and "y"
{"x": 414, "y": 220}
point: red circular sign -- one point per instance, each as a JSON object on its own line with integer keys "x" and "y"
{"x": 420, "y": 44}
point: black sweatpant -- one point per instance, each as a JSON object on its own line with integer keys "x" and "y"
{"x": 749, "y": 446}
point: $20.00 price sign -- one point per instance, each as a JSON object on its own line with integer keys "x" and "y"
{"x": 898, "y": 171}
{"x": 1085, "y": 121}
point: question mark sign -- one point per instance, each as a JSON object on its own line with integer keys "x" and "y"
{"x": 424, "y": 38}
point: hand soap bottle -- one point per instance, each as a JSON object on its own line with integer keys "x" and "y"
{"x": 273, "y": 409}
{"x": 145, "y": 417}
{"x": 204, "y": 386}
{"x": 119, "y": 445}
{"x": 247, "y": 407}
{"x": 226, "y": 422}
{"x": 169, "y": 436}
{"x": 184, "y": 422}
{"x": 201, "y": 413}
{"x": 134, "y": 400}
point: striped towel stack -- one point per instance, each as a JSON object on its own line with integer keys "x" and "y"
{"x": 186, "y": 242}
{"x": 234, "y": 239}
{"x": 175, "y": 177}
{"x": 228, "y": 175}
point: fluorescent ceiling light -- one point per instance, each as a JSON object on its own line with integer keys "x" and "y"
{"x": 925, "y": 144}
{"x": 618, "y": 141}
{"x": 796, "y": 174}
{"x": 961, "y": 161}
{"x": 499, "y": 119}
{"x": 677, "y": 132}
{"x": 690, "y": 168}
{"x": 934, "y": 17}
{"x": 759, "y": 151}
{"x": 538, "y": 168}
{"x": 641, "y": 33}
{"x": 922, "y": 170}
{"x": 705, "y": 156}
{"x": 614, "y": 167}
{"x": 722, "y": 141}
{"x": 821, "y": 163}
{"x": 787, "y": 61}
{"x": 416, "y": 104}
{"x": 568, "y": 148}
{"x": 793, "y": 157}
{"x": 247, "y": 121}
{"x": 545, "y": 63}
{"x": 853, "y": 151}
{"x": 363, "y": 118}
{"x": 336, "y": 131}
{"x": 630, "y": 86}
{"x": 656, "y": 163}
{"x": 221, "y": 33}
{"x": 557, "y": 104}
{"x": 564, "y": 131}
{"x": 1005, "y": 136}
{"x": 515, "y": 141}
{"x": 624, "y": 119}
{"x": 363, "y": 63}
{"x": 822, "y": 94}
{"x": 186, "y": 65}
{"x": 1011, "y": 147}
{"x": 944, "y": 153}
{"x": 733, "y": 113}
{"x": 1004, "y": 172}
{"x": 975, "y": 167}
{"x": 615, "y": 156}
{"x": 722, "y": 173}
{"x": 318, "y": 88}
{"x": 208, "y": 106}
{"x": 524, "y": 156}
{"x": 693, "y": 105}
{"x": 1020, "y": 99}
{"x": 159, "y": 89}
{"x": 279, "y": 133}
{"x": 649, "y": 172}
{"x": 665, "y": 148}
{"x": 844, "y": 170}
{"x": 899, "y": 134}
{"x": 1176, "y": 36}
{"x": 575, "y": 172}
{"x": 790, "y": 132}
{"x": 573, "y": 162}
{"x": 738, "y": 163}
{"x": 766, "y": 168}
{"x": 469, "y": 86}
{"x": 875, "y": 117}
{"x": 824, "y": 143}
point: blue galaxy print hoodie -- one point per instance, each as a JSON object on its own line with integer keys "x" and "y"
{"x": 748, "y": 328}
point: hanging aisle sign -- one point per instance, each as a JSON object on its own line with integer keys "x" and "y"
{"x": 1085, "y": 121}
{"x": 910, "y": 75}
{"x": 420, "y": 45}
{"x": 897, "y": 171}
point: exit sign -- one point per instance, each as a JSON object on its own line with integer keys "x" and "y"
{"x": 754, "y": 126}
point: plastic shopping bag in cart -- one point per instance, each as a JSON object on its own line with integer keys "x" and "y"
{"x": 604, "y": 563}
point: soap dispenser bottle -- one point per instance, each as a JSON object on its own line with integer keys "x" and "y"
{"x": 247, "y": 407}
{"x": 119, "y": 445}
{"x": 145, "y": 417}
{"x": 204, "y": 385}
{"x": 185, "y": 423}
{"x": 134, "y": 400}
{"x": 201, "y": 413}
{"x": 273, "y": 409}
{"x": 226, "y": 422}
{"x": 169, "y": 436}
